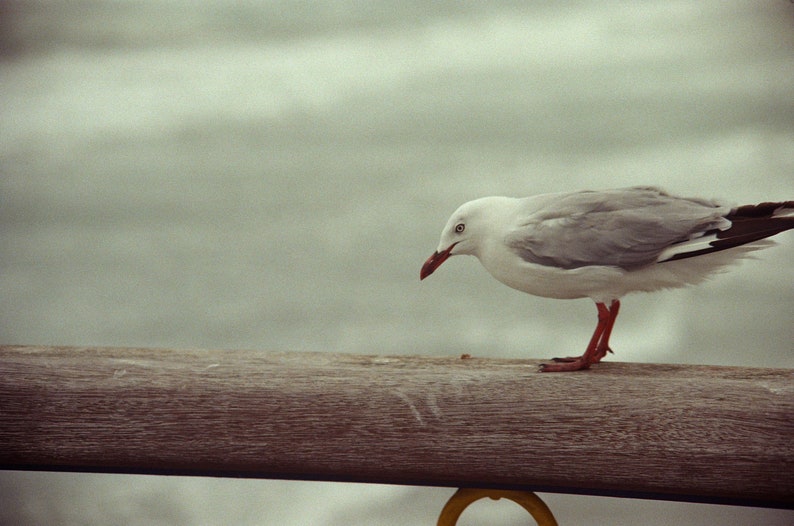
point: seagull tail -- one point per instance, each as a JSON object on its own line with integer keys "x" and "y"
{"x": 748, "y": 225}
{"x": 753, "y": 222}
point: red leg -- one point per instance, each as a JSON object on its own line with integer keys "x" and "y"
{"x": 595, "y": 339}
{"x": 598, "y": 346}
{"x": 603, "y": 345}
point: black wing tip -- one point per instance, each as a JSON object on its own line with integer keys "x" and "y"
{"x": 761, "y": 210}
{"x": 749, "y": 223}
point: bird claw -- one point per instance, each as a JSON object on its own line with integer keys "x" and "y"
{"x": 567, "y": 359}
{"x": 576, "y": 364}
{"x": 601, "y": 352}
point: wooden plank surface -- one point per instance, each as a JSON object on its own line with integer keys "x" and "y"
{"x": 707, "y": 434}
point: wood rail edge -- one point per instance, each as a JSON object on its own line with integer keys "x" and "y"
{"x": 674, "y": 432}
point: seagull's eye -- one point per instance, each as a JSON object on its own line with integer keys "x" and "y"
{"x": 460, "y": 227}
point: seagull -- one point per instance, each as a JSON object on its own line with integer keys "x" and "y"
{"x": 605, "y": 244}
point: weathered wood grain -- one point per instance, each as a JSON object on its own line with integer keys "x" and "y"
{"x": 710, "y": 434}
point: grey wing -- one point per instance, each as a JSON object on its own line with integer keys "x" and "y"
{"x": 625, "y": 228}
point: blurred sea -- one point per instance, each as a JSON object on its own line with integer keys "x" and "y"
{"x": 271, "y": 175}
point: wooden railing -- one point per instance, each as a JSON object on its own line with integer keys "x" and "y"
{"x": 674, "y": 432}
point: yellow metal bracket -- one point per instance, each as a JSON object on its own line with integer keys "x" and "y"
{"x": 465, "y": 496}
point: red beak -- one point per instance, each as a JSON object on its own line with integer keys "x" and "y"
{"x": 435, "y": 261}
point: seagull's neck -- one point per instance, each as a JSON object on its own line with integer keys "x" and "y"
{"x": 497, "y": 218}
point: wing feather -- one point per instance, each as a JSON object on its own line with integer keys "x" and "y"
{"x": 626, "y": 228}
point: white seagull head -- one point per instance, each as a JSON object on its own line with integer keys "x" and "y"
{"x": 467, "y": 230}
